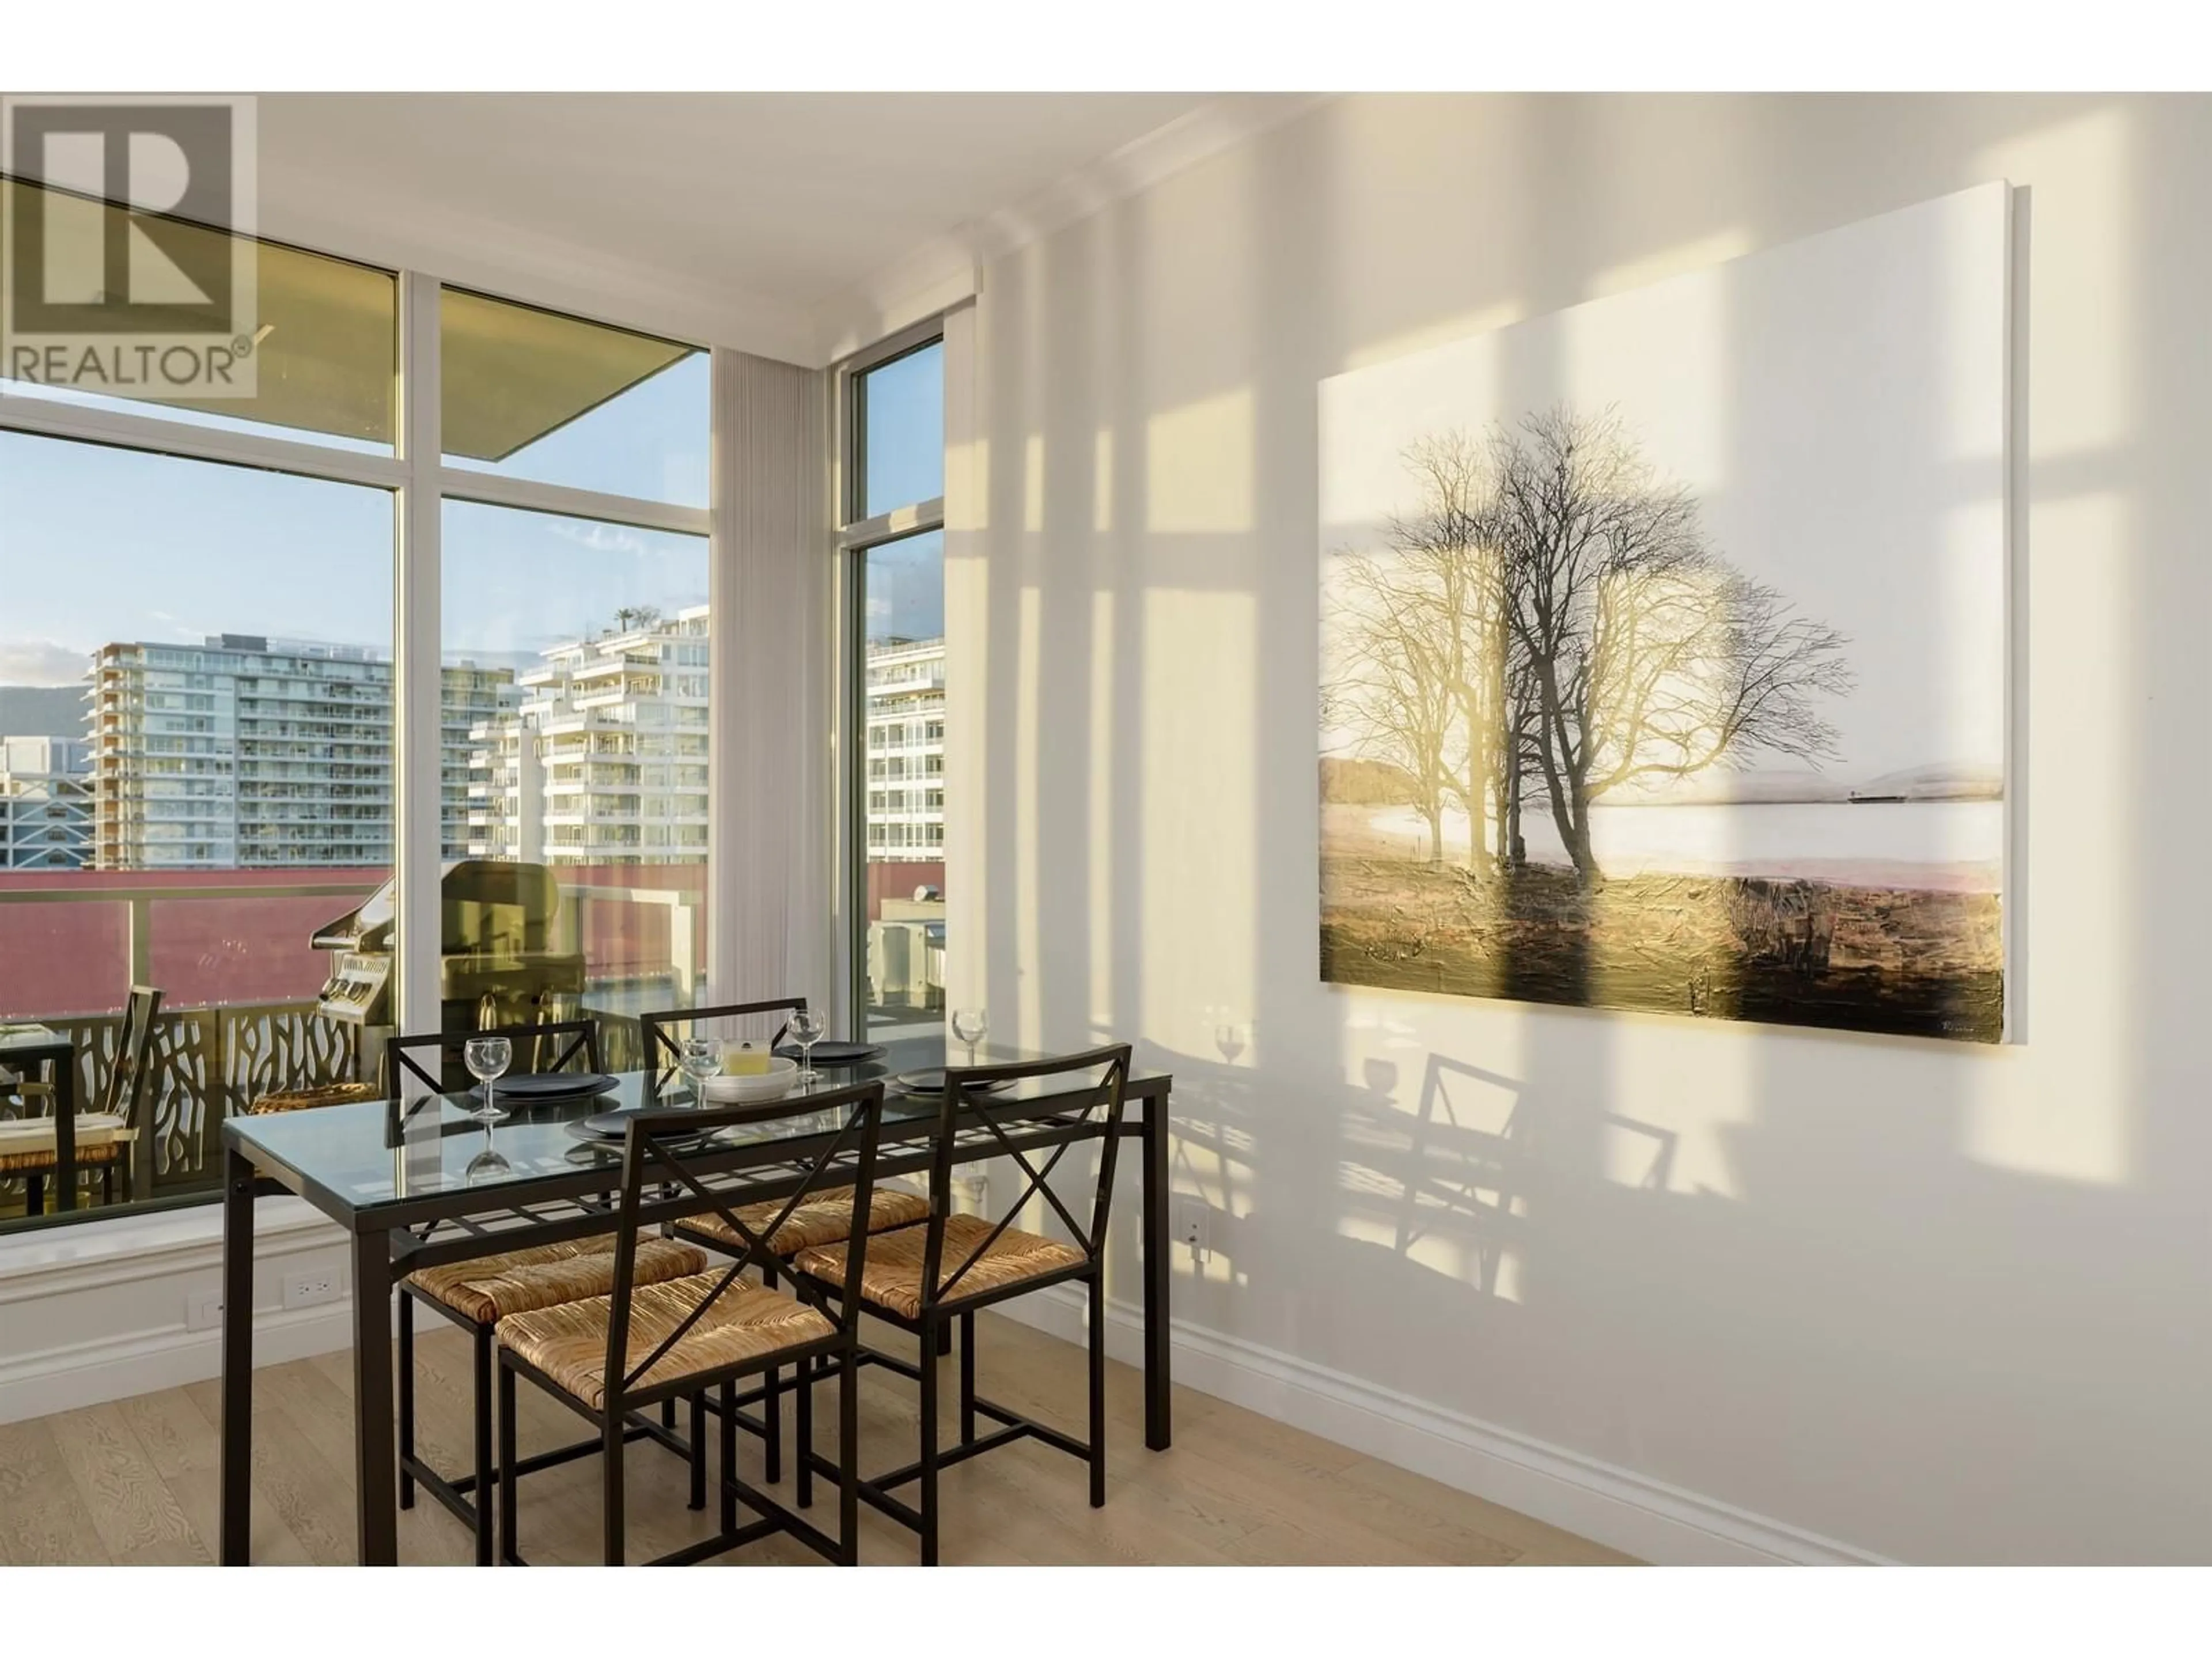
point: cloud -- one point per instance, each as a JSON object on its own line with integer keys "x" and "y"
{"x": 192, "y": 635}
{"x": 600, "y": 537}
{"x": 41, "y": 662}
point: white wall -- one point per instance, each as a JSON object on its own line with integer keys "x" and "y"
{"x": 1933, "y": 1303}
{"x": 106, "y": 1310}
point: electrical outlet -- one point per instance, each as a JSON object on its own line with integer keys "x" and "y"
{"x": 202, "y": 1311}
{"x": 312, "y": 1287}
{"x": 1191, "y": 1215}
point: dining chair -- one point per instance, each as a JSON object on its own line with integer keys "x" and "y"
{"x": 475, "y": 1295}
{"x": 553, "y": 1045}
{"x": 106, "y": 1136}
{"x": 662, "y": 1034}
{"x": 922, "y": 1278}
{"x": 663, "y": 1047}
{"x": 826, "y": 1217}
{"x": 644, "y": 1342}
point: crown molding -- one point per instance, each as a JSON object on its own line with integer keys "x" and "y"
{"x": 554, "y": 272}
{"x": 945, "y": 270}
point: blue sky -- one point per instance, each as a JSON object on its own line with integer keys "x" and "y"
{"x": 905, "y": 447}
{"x": 99, "y": 544}
{"x": 906, "y": 588}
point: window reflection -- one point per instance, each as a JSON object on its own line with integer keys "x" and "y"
{"x": 902, "y": 761}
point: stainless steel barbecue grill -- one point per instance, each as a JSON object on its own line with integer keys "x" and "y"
{"x": 498, "y": 963}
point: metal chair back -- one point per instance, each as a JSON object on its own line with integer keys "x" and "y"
{"x": 125, "y": 1094}
{"x": 663, "y": 1047}
{"x": 662, "y": 1150}
{"x": 568, "y": 1040}
{"x": 970, "y": 1105}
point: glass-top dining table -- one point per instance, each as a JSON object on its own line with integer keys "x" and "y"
{"x": 413, "y": 1188}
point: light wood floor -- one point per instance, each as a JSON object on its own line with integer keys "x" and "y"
{"x": 135, "y": 1482}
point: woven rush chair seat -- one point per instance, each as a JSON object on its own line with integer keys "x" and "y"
{"x": 891, "y": 1274}
{"x": 29, "y": 1143}
{"x": 319, "y": 1094}
{"x": 568, "y": 1343}
{"x": 493, "y": 1287}
{"x": 820, "y": 1219}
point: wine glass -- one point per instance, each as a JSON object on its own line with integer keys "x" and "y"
{"x": 971, "y": 1026}
{"x": 488, "y": 1059}
{"x": 806, "y": 1026}
{"x": 488, "y": 1164}
{"x": 701, "y": 1058}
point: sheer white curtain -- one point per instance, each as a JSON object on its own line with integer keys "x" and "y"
{"x": 772, "y": 879}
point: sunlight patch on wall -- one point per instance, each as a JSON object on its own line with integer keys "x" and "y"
{"x": 1693, "y": 255}
{"x": 1366, "y": 418}
{"x": 1433, "y": 1166}
{"x": 1442, "y": 332}
{"x": 1213, "y": 1159}
{"x": 967, "y": 493}
{"x": 1033, "y": 483}
{"x": 2077, "y": 1131}
{"x": 1028, "y": 881}
{"x": 1636, "y": 1154}
{"x": 967, "y": 761}
{"x": 1198, "y": 467}
{"x": 1200, "y": 738}
{"x": 2081, "y": 213}
{"x": 2068, "y": 1115}
{"x": 1666, "y": 1124}
{"x": 1103, "y": 922}
{"x": 1101, "y": 482}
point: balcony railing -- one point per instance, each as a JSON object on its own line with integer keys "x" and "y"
{"x": 212, "y": 1056}
{"x": 206, "y": 1063}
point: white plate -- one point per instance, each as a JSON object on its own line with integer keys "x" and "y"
{"x": 757, "y": 1090}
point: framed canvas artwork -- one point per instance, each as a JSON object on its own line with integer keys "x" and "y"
{"x": 1664, "y": 644}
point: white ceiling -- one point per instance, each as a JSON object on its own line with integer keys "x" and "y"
{"x": 751, "y": 213}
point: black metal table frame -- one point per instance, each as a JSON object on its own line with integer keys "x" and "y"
{"x": 386, "y": 1246}
{"x": 60, "y": 1057}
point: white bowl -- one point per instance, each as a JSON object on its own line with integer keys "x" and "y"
{"x": 758, "y": 1089}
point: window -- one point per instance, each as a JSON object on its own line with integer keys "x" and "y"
{"x": 893, "y": 463}
{"x": 898, "y": 431}
{"x": 199, "y": 738}
{"x": 526, "y": 393}
{"x": 324, "y": 359}
{"x": 584, "y": 752}
{"x": 196, "y": 692}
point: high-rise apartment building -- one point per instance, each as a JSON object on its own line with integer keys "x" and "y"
{"x": 245, "y": 752}
{"x": 46, "y": 803}
{"x": 906, "y": 750}
{"x": 469, "y": 697}
{"x": 603, "y": 760}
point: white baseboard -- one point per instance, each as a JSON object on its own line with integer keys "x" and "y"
{"x": 1612, "y": 1506}
{"x": 144, "y": 1362}
{"x": 136, "y": 1274}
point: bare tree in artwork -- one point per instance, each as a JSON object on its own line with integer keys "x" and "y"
{"x": 1644, "y": 654}
{"x": 1391, "y": 684}
{"x": 1549, "y": 611}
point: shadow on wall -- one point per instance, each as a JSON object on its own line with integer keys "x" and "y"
{"x": 1942, "y": 1306}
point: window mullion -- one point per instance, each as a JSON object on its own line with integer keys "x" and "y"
{"x": 48, "y": 418}
{"x": 416, "y": 623}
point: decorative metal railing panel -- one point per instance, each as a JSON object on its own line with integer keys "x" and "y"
{"x": 206, "y": 1064}
{"x": 209, "y": 1062}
